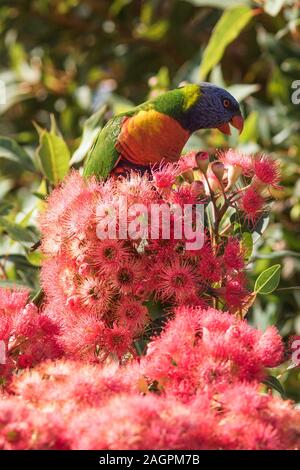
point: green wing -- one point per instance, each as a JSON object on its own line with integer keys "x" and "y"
{"x": 103, "y": 155}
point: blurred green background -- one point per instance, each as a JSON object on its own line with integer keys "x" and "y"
{"x": 68, "y": 58}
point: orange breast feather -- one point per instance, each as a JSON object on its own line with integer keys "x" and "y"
{"x": 151, "y": 136}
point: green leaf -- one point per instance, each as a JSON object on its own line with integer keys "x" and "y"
{"x": 10, "y": 284}
{"x": 38, "y": 297}
{"x": 91, "y": 129}
{"x": 273, "y": 383}
{"x": 11, "y": 150}
{"x": 226, "y": 30}
{"x": 153, "y": 32}
{"x": 53, "y": 154}
{"x": 40, "y": 196}
{"x": 250, "y": 128}
{"x": 16, "y": 231}
{"x": 34, "y": 258}
{"x": 5, "y": 207}
{"x": 247, "y": 244}
{"x": 154, "y": 309}
{"x": 117, "y": 6}
{"x": 20, "y": 261}
{"x": 268, "y": 280}
{"x": 259, "y": 227}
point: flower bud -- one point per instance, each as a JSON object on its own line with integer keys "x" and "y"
{"x": 80, "y": 259}
{"x": 198, "y": 188}
{"x": 214, "y": 184}
{"x": 73, "y": 302}
{"x": 30, "y": 308}
{"x": 188, "y": 176}
{"x": 25, "y": 360}
{"x": 218, "y": 169}
{"x": 202, "y": 160}
{"x": 233, "y": 173}
{"x": 83, "y": 269}
{"x": 277, "y": 193}
{"x": 258, "y": 184}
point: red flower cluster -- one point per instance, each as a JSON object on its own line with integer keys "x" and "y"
{"x": 199, "y": 384}
{"x": 195, "y": 390}
{"x": 97, "y": 288}
{"x": 26, "y": 335}
{"x": 262, "y": 173}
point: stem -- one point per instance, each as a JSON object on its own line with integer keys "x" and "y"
{"x": 288, "y": 288}
{"x": 212, "y": 196}
{"x": 39, "y": 297}
{"x": 225, "y": 229}
{"x": 237, "y": 193}
{"x": 213, "y": 200}
{"x": 219, "y": 218}
{"x": 18, "y": 345}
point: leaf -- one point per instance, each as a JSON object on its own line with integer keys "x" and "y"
{"x": 226, "y": 30}
{"x": 91, "y": 129}
{"x": 273, "y": 382}
{"x": 209, "y": 216}
{"x": 34, "y": 258}
{"x": 117, "y": 6}
{"x": 154, "y": 309}
{"x": 11, "y": 150}
{"x": 16, "y": 231}
{"x": 38, "y": 297}
{"x": 241, "y": 92}
{"x": 247, "y": 245}
{"x": 53, "y": 154}
{"x": 5, "y": 207}
{"x": 10, "y": 284}
{"x": 20, "y": 261}
{"x": 216, "y": 76}
{"x": 40, "y": 196}
{"x": 246, "y": 306}
{"x": 264, "y": 316}
{"x": 260, "y": 226}
{"x": 250, "y": 128}
{"x": 153, "y": 32}
{"x": 273, "y": 7}
{"x": 25, "y": 220}
{"x": 277, "y": 254}
{"x": 268, "y": 280}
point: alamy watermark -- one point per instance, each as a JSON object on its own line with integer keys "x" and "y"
{"x": 2, "y": 352}
{"x": 2, "y": 92}
{"x": 296, "y": 92}
{"x": 295, "y": 349}
{"x": 157, "y": 221}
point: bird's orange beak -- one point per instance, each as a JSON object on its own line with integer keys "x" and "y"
{"x": 237, "y": 122}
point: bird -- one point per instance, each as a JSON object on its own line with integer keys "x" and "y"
{"x": 158, "y": 129}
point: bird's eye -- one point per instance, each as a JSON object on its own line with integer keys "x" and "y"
{"x": 226, "y": 103}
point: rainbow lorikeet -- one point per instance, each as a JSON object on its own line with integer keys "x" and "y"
{"x": 158, "y": 129}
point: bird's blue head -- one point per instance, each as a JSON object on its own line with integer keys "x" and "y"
{"x": 215, "y": 108}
